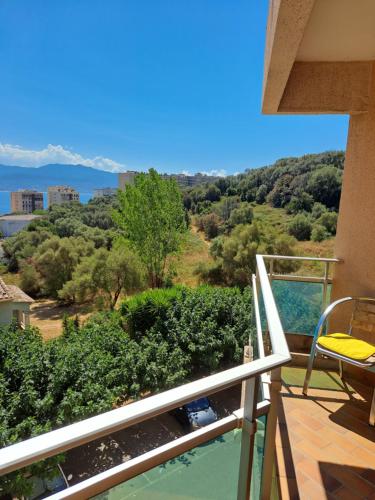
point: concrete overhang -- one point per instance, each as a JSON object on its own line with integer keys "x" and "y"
{"x": 319, "y": 56}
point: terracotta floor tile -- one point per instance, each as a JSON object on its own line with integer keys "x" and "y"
{"x": 311, "y": 422}
{"x": 351, "y": 480}
{"x": 328, "y": 447}
{"x": 288, "y": 489}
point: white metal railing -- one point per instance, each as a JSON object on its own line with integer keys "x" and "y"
{"x": 325, "y": 279}
{"x": 32, "y": 450}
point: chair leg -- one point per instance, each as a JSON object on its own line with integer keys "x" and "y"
{"x": 309, "y": 370}
{"x": 341, "y": 369}
{"x": 372, "y": 411}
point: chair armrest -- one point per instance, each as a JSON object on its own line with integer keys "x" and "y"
{"x": 327, "y": 313}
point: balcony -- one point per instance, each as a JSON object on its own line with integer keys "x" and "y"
{"x": 278, "y": 443}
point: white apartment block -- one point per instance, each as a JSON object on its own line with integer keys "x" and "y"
{"x": 57, "y": 195}
{"x": 103, "y": 192}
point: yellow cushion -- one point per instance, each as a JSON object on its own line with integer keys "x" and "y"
{"x": 347, "y": 346}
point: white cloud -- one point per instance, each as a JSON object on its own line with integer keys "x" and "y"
{"x": 17, "y": 155}
{"x": 218, "y": 173}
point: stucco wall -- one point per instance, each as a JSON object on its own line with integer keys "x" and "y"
{"x": 355, "y": 240}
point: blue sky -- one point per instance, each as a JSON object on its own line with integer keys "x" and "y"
{"x": 116, "y": 84}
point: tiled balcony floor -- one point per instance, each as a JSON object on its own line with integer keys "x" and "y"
{"x": 325, "y": 447}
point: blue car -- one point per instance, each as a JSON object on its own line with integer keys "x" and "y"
{"x": 196, "y": 414}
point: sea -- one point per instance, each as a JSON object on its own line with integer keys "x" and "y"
{"x": 5, "y": 200}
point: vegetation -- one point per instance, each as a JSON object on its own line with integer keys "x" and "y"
{"x": 152, "y": 217}
{"x": 104, "y": 274}
{"x": 154, "y": 343}
{"x": 160, "y": 337}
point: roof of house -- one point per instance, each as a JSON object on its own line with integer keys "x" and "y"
{"x": 19, "y": 217}
{"x": 11, "y": 293}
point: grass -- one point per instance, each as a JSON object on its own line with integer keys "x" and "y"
{"x": 279, "y": 220}
{"x": 274, "y": 217}
{"x": 195, "y": 251}
{"x": 9, "y": 278}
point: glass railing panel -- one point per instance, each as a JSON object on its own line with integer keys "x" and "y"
{"x": 300, "y": 305}
{"x": 207, "y": 472}
{"x": 259, "y": 444}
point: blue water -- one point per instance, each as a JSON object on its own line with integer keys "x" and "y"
{"x": 5, "y": 200}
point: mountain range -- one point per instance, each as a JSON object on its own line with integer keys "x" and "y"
{"x": 83, "y": 179}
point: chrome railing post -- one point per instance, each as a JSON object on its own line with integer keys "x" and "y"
{"x": 270, "y": 436}
{"x": 325, "y": 286}
{"x": 248, "y": 438}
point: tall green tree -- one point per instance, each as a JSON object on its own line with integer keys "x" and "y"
{"x": 104, "y": 274}
{"x": 151, "y": 214}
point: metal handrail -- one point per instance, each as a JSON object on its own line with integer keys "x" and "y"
{"x": 297, "y": 257}
{"x": 27, "y": 452}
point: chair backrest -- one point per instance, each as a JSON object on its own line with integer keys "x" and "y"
{"x": 362, "y": 323}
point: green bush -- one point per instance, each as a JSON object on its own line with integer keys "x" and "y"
{"x": 319, "y": 233}
{"x": 329, "y": 221}
{"x": 317, "y": 210}
{"x": 300, "y": 202}
{"x": 300, "y": 227}
{"x": 143, "y": 310}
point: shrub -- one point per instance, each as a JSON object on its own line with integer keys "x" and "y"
{"x": 210, "y": 224}
{"x": 300, "y": 227}
{"x": 317, "y": 210}
{"x": 143, "y": 310}
{"x": 319, "y": 233}
{"x": 261, "y": 194}
{"x": 300, "y": 202}
{"x": 242, "y": 215}
{"x": 329, "y": 221}
{"x": 325, "y": 186}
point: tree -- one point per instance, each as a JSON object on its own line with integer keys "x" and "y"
{"x": 105, "y": 273}
{"x": 242, "y": 215}
{"x": 210, "y": 224}
{"x": 213, "y": 193}
{"x": 319, "y": 233}
{"x": 300, "y": 202}
{"x": 300, "y": 227}
{"x": 325, "y": 186}
{"x": 151, "y": 214}
{"x": 329, "y": 221}
{"x": 261, "y": 194}
{"x": 56, "y": 259}
{"x": 234, "y": 255}
{"x": 317, "y": 210}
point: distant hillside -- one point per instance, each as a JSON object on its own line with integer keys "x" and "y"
{"x": 84, "y": 179}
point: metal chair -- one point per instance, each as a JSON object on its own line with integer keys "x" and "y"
{"x": 363, "y": 319}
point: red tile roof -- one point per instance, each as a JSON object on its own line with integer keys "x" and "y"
{"x": 11, "y": 293}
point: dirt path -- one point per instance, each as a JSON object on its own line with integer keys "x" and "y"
{"x": 47, "y": 315}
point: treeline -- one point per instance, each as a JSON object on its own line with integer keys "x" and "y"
{"x": 316, "y": 178}
{"x": 153, "y": 343}
{"x": 307, "y": 188}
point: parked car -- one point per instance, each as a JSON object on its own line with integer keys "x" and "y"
{"x": 43, "y": 488}
{"x": 196, "y": 414}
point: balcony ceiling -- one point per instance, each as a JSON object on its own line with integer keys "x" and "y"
{"x": 319, "y": 56}
{"x": 339, "y": 30}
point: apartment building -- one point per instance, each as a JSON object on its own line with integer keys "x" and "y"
{"x": 104, "y": 192}
{"x": 183, "y": 180}
{"x": 57, "y": 195}
{"x": 126, "y": 178}
{"x": 26, "y": 201}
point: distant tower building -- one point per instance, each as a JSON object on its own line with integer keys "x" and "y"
{"x": 57, "y": 195}
{"x": 103, "y": 192}
{"x": 26, "y": 201}
{"x": 126, "y": 178}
